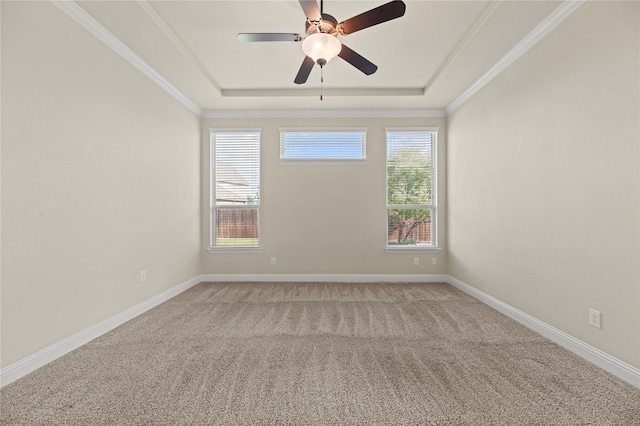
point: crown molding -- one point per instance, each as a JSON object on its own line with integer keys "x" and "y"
{"x": 538, "y": 33}
{"x": 339, "y": 113}
{"x": 468, "y": 36}
{"x": 155, "y": 17}
{"x": 78, "y": 14}
{"x": 334, "y": 92}
{"x": 70, "y": 8}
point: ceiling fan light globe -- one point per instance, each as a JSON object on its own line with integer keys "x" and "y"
{"x": 321, "y": 46}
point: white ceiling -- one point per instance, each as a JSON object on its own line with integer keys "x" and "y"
{"x": 426, "y": 59}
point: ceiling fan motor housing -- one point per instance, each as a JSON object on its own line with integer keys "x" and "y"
{"x": 328, "y": 25}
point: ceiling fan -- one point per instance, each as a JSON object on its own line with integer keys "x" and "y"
{"x": 321, "y": 43}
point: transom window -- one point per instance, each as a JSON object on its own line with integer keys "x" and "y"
{"x": 235, "y": 188}
{"x": 411, "y": 175}
{"x": 322, "y": 145}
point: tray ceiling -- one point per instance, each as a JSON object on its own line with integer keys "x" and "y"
{"x": 426, "y": 59}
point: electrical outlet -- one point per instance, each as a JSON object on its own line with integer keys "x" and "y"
{"x": 143, "y": 276}
{"x": 434, "y": 261}
{"x": 594, "y": 318}
{"x": 273, "y": 260}
{"x": 416, "y": 261}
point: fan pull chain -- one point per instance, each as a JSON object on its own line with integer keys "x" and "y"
{"x": 321, "y": 80}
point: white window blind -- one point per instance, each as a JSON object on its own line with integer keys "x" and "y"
{"x": 309, "y": 144}
{"x": 411, "y": 172}
{"x": 235, "y": 188}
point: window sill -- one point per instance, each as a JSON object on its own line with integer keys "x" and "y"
{"x": 234, "y": 249}
{"x": 406, "y": 249}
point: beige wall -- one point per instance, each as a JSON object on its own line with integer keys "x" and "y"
{"x": 100, "y": 179}
{"x": 543, "y": 179}
{"x": 322, "y": 219}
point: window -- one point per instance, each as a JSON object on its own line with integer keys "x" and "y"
{"x": 411, "y": 185}
{"x": 235, "y": 189}
{"x": 339, "y": 145}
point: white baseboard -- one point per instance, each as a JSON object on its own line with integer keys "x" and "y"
{"x": 618, "y": 368}
{"x": 611, "y": 364}
{"x": 21, "y": 368}
{"x": 344, "y": 278}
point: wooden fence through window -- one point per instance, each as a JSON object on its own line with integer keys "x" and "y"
{"x": 237, "y": 223}
{"x": 243, "y": 223}
{"x": 419, "y": 234}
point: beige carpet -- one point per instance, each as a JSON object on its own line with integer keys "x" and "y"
{"x": 320, "y": 354}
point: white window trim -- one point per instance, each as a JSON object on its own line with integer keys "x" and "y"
{"x": 407, "y": 249}
{"x": 317, "y": 162}
{"x": 321, "y": 161}
{"x": 435, "y": 247}
{"x": 238, "y": 249}
{"x": 212, "y": 196}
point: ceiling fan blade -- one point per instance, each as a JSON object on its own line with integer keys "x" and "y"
{"x": 357, "y": 61}
{"x": 311, "y": 10}
{"x": 305, "y": 70}
{"x": 250, "y": 37}
{"x": 378, "y": 15}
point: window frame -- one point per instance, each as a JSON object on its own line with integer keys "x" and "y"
{"x": 433, "y": 247}
{"x": 320, "y": 160}
{"x": 213, "y": 206}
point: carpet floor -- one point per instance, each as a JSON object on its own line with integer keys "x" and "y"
{"x": 320, "y": 354}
